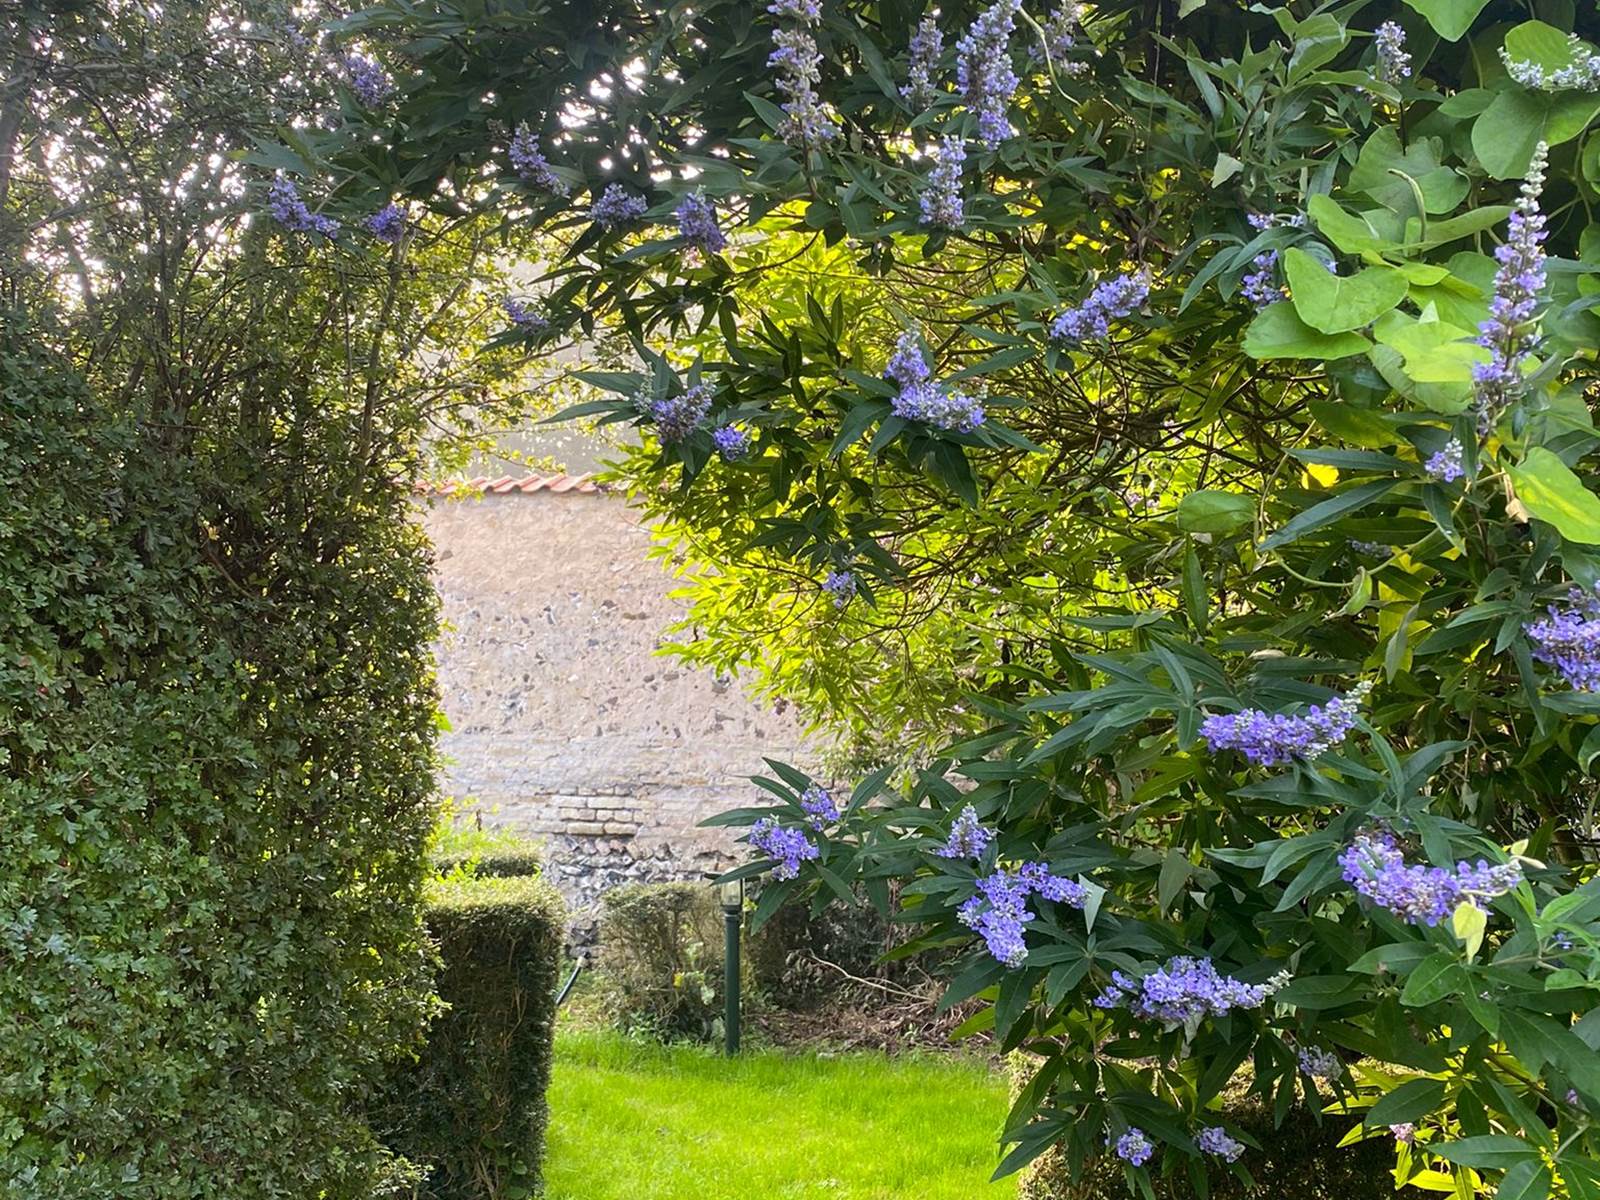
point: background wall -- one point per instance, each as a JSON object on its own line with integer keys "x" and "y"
{"x": 564, "y": 721}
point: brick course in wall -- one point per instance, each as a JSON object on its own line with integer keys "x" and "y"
{"x": 564, "y": 721}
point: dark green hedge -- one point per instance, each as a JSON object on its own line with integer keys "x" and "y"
{"x": 513, "y": 860}
{"x": 1298, "y": 1160}
{"x": 471, "y": 1112}
{"x": 216, "y": 757}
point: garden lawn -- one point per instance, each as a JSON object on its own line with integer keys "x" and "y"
{"x": 636, "y": 1121}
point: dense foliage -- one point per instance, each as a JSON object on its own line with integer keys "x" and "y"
{"x": 471, "y": 1112}
{"x": 1203, "y": 388}
{"x": 216, "y": 760}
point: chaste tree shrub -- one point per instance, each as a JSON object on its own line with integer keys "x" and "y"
{"x": 1208, "y": 384}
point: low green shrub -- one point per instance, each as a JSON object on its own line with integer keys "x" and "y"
{"x": 471, "y": 1111}
{"x": 469, "y": 851}
{"x": 661, "y": 959}
{"x": 1298, "y": 1160}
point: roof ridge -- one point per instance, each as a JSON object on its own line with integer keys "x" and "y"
{"x": 506, "y": 485}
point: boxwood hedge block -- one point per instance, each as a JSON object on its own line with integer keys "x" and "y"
{"x": 471, "y": 1111}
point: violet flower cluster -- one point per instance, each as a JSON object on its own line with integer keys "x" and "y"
{"x": 1581, "y": 74}
{"x": 1269, "y": 739}
{"x": 616, "y": 207}
{"x": 1319, "y": 1063}
{"x": 925, "y": 48}
{"x": 1264, "y": 221}
{"x": 524, "y": 316}
{"x": 790, "y": 847}
{"x": 924, "y": 398}
{"x": 999, "y": 909}
{"x": 528, "y": 161}
{"x": 368, "y": 80}
{"x": 1260, "y": 285}
{"x": 1424, "y": 895}
{"x": 796, "y": 59}
{"x": 286, "y": 207}
{"x": 1394, "y": 63}
{"x": 1405, "y": 1133}
{"x": 388, "y": 224}
{"x": 675, "y": 417}
{"x": 1569, "y": 639}
{"x": 1214, "y": 1139}
{"x": 1512, "y": 328}
{"x": 819, "y": 806}
{"x": 1184, "y": 992}
{"x": 731, "y": 442}
{"x": 1134, "y": 1147}
{"x": 942, "y": 206}
{"x": 983, "y": 70}
{"x": 1112, "y": 299}
{"x": 1446, "y": 464}
{"x": 697, "y": 224}
{"x": 841, "y": 585}
{"x": 1061, "y": 31}
{"x": 968, "y": 838}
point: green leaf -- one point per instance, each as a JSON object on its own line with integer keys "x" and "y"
{"x": 1494, "y": 1152}
{"x": 1470, "y": 923}
{"x": 1316, "y": 992}
{"x": 1328, "y": 511}
{"x": 1351, "y": 234}
{"x": 1211, "y": 511}
{"x": 1550, "y": 491}
{"x": 1409, "y": 1102}
{"x": 1386, "y": 171}
{"x": 1335, "y": 303}
{"x": 1449, "y": 18}
{"x": 1434, "y": 979}
{"x": 1396, "y": 958}
{"x": 1525, "y": 1181}
{"x": 1278, "y": 332}
{"x": 1505, "y": 135}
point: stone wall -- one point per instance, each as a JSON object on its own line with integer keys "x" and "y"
{"x": 564, "y": 721}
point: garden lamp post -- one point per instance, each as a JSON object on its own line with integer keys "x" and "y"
{"x": 732, "y": 895}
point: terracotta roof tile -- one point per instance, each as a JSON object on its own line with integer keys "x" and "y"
{"x": 506, "y": 485}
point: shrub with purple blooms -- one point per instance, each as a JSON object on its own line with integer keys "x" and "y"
{"x": 1230, "y": 520}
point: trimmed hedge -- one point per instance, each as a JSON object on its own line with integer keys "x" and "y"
{"x": 471, "y": 1112}
{"x": 216, "y": 785}
{"x": 1299, "y": 1160}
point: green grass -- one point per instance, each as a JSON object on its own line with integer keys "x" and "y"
{"x": 631, "y": 1120}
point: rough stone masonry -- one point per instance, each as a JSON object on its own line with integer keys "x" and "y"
{"x": 564, "y": 721}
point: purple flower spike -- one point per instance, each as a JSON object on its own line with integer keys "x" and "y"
{"x": 1446, "y": 465}
{"x": 999, "y": 909}
{"x": 1184, "y": 992}
{"x": 1512, "y": 329}
{"x": 616, "y": 208}
{"x": 528, "y": 161}
{"x": 926, "y": 45}
{"x": 983, "y": 70}
{"x": 388, "y": 224}
{"x": 1569, "y": 640}
{"x": 368, "y": 80}
{"x": 1424, "y": 895}
{"x": 942, "y": 205}
{"x": 675, "y": 417}
{"x": 286, "y": 207}
{"x": 1269, "y": 739}
{"x": 1394, "y": 64}
{"x": 731, "y": 442}
{"x": 968, "y": 838}
{"x": 819, "y": 806}
{"x": 1319, "y": 1063}
{"x": 1134, "y": 1148}
{"x": 1260, "y": 286}
{"x": 1113, "y": 299}
{"x": 841, "y": 585}
{"x": 1214, "y": 1139}
{"x": 697, "y": 224}
{"x": 790, "y": 847}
